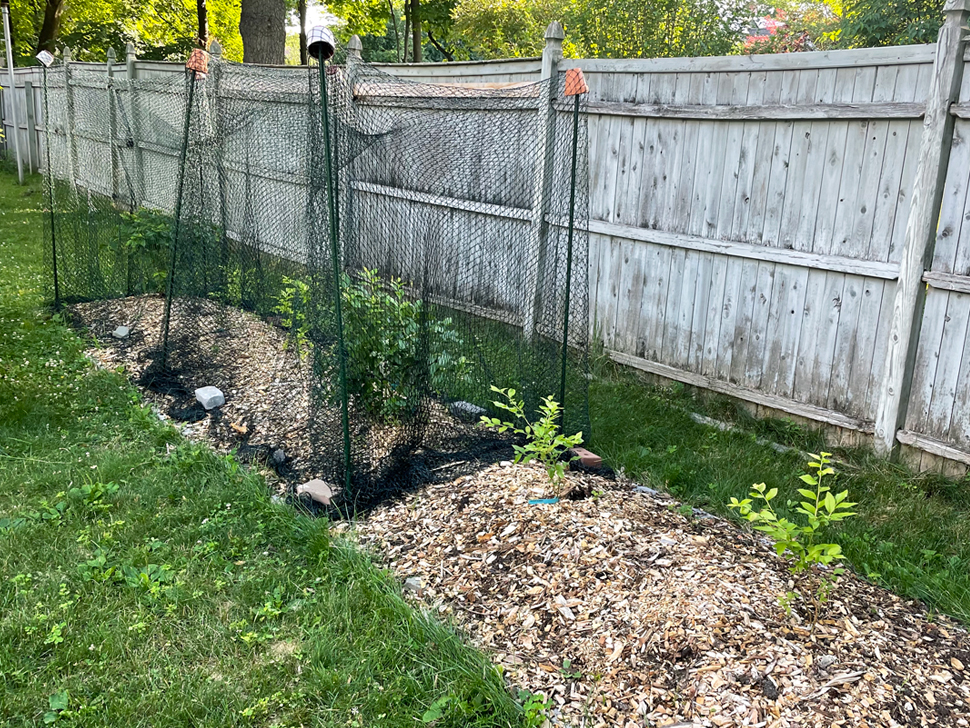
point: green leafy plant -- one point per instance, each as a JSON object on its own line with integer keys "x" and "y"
{"x": 453, "y": 706}
{"x": 58, "y": 704}
{"x": 535, "y": 707}
{"x": 389, "y": 337}
{"x": 293, "y": 305}
{"x": 147, "y": 237}
{"x": 799, "y": 543}
{"x": 544, "y": 443}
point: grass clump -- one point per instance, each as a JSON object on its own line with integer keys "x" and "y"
{"x": 146, "y": 581}
{"x": 912, "y": 533}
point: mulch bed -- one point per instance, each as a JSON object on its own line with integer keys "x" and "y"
{"x": 665, "y": 620}
{"x": 263, "y": 377}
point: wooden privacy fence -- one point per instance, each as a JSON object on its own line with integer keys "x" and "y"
{"x": 791, "y": 230}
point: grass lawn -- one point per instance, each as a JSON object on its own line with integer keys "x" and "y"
{"x": 146, "y": 581}
{"x": 912, "y": 534}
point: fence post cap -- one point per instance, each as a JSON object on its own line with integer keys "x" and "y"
{"x": 957, "y": 6}
{"x": 354, "y": 47}
{"x": 215, "y": 49}
{"x": 555, "y": 31}
{"x": 112, "y": 55}
{"x": 130, "y": 50}
{"x": 67, "y": 54}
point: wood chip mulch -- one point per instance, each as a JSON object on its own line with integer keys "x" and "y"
{"x": 665, "y": 620}
{"x": 263, "y": 377}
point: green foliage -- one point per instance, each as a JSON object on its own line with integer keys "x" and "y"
{"x": 821, "y": 507}
{"x": 394, "y": 346}
{"x": 602, "y": 28}
{"x": 147, "y": 237}
{"x": 544, "y": 442}
{"x": 293, "y": 305}
{"x": 159, "y": 29}
{"x": 868, "y": 23}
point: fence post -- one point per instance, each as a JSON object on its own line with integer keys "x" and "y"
{"x": 113, "y": 125}
{"x": 33, "y": 156}
{"x": 551, "y": 56}
{"x": 69, "y": 117}
{"x": 921, "y": 227}
{"x": 131, "y": 75}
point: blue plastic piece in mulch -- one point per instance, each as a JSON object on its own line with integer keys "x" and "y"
{"x": 535, "y": 501}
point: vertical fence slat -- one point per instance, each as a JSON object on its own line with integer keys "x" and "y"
{"x": 921, "y": 226}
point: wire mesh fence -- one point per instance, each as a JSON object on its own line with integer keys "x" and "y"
{"x": 358, "y": 257}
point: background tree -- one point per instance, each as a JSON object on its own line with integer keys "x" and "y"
{"x": 868, "y": 23}
{"x": 262, "y": 25}
{"x": 159, "y": 29}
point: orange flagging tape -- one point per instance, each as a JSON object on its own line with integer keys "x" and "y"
{"x": 575, "y": 82}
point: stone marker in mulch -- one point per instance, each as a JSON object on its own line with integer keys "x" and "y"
{"x": 210, "y": 397}
{"x": 121, "y": 332}
{"x": 317, "y": 490}
{"x": 665, "y": 620}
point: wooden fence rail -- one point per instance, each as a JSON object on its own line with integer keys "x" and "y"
{"x": 791, "y": 230}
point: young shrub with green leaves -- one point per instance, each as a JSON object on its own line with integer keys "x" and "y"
{"x": 292, "y": 305}
{"x": 146, "y": 236}
{"x": 544, "y": 442}
{"x": 799, "y": 543}
{"x": 385, "y": 333}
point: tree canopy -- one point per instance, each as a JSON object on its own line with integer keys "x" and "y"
{"x": 474, "y": 29}
{"x": 159, "y": 29}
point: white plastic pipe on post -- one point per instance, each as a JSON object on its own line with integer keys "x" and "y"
{"x": 13, "y": 90}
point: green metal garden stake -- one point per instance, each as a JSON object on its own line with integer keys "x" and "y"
{"x": 50, "y": 198}
{"x": 569, "y": 260}
{"x": 178, "y": 219}
{"x": 335, "y": 257}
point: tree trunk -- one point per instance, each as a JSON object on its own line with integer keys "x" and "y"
{"x": 262, "y": 24}
{"x": 416, "y": 30}
{"x": 53, "y": 9}
{"x": 407, "y": 28}
{"x": 397, "y": 38}
{"x": 304, "y": 58}
{"x": 203, "y": 15}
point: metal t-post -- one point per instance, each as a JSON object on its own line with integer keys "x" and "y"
{"x": 335, "y": 258}
{"x": 170, "y": 289}
{"x": 569, "y": 259}
{"x": 50, "y": 194}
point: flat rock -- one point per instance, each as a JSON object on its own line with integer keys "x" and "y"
{"x": 121, "y": 332}
{"x": 210, "y": 397}
{"x": 317, "y": 490}
{"x": 278, "y": 457}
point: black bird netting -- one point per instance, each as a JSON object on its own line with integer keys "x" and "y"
{"x": 407, "y": 245}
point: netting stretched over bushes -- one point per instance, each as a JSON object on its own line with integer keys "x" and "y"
{"x": 409, "y": 248}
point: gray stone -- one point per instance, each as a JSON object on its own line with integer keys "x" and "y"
{"x": 645, "y": 490}
{"x": 210, "y": 397}
{"x": 278, "y": 456}
{"x": 466, "y": 411}
{"x": 826, "y": 661}
{"x": 506, "y": 463}
{"x": 414, "y": 584}
{"x": 121, "y": 332}
{"x": 317, "y": 490}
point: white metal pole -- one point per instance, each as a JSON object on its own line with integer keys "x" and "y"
{"x": 13, "y": 90}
